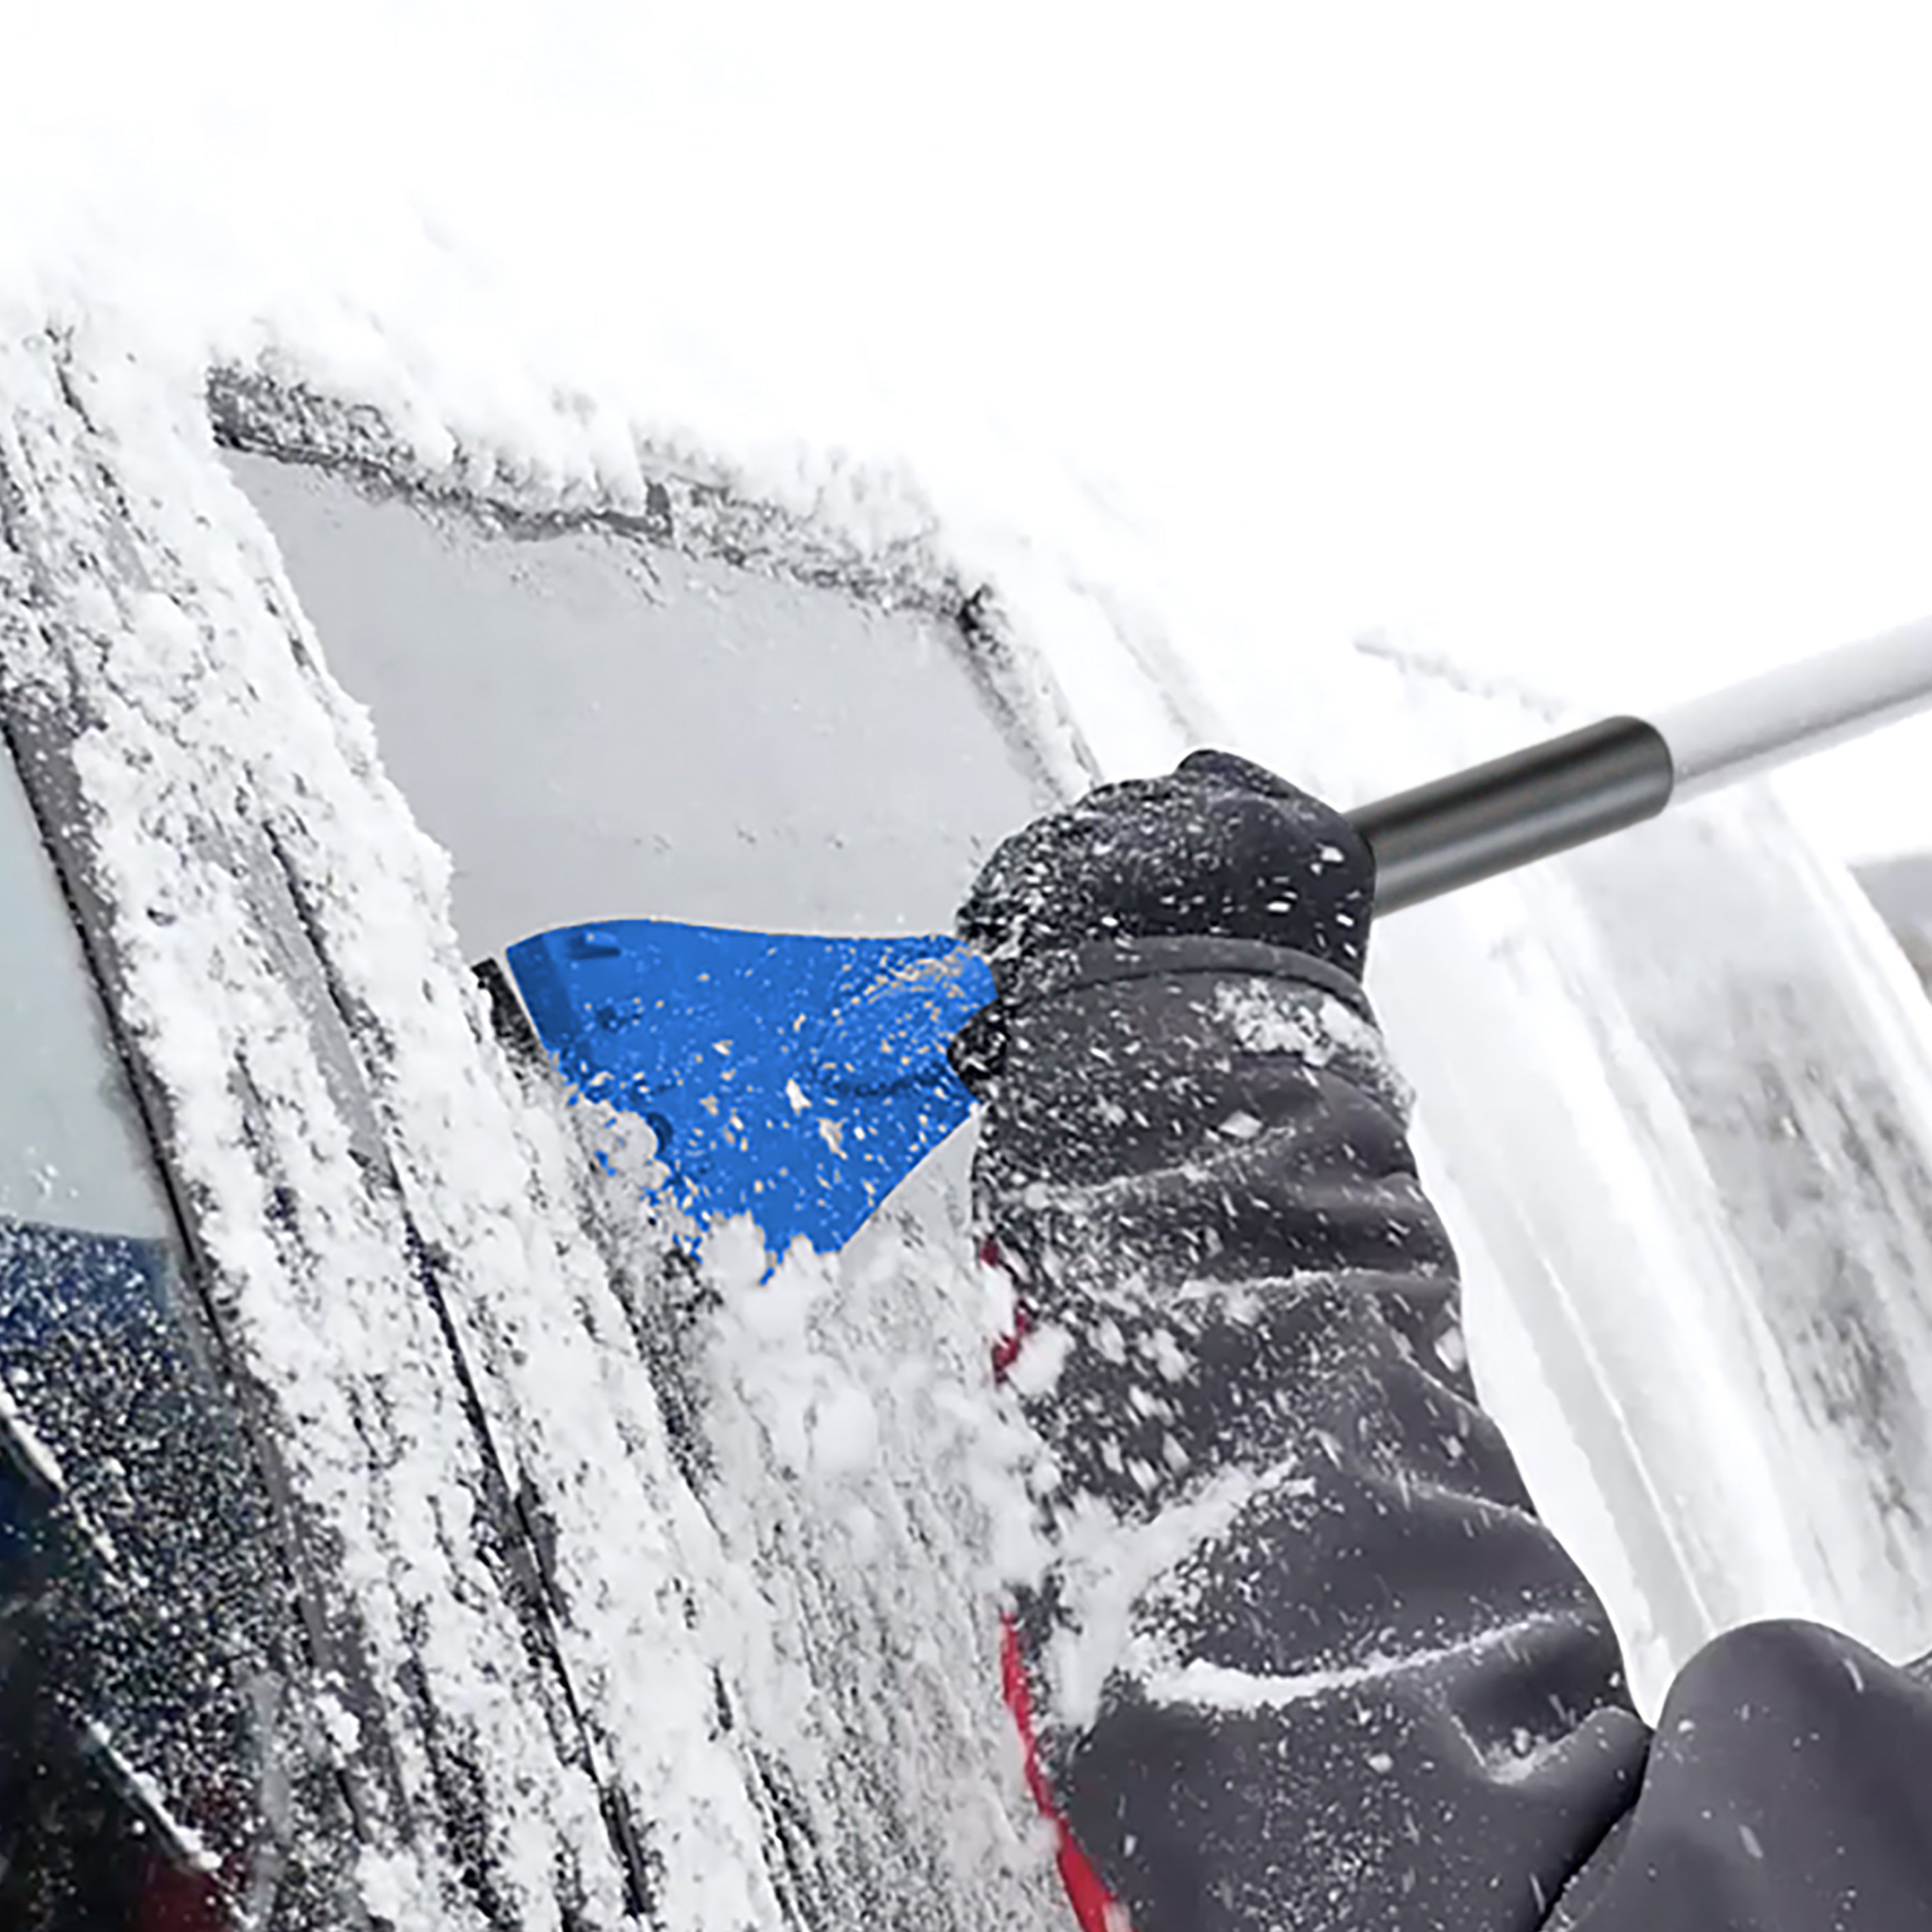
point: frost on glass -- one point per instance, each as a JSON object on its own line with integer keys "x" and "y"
{"x": 597, "y": 727}
{"x": 133, "y": 1694}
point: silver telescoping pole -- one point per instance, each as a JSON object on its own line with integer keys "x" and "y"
{"x": 1805, "y": 707}
{"x": 1570, "y": 790}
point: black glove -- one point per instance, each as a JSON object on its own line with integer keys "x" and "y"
{"x": 1220, "y": 848}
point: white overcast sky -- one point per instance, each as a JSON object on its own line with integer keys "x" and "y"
{"x": 1590, "y": 344}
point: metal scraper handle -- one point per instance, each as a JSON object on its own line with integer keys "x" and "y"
{"x": 1572, "y": 789}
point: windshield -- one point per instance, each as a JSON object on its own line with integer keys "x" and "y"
{"x": 135, "y": 1607}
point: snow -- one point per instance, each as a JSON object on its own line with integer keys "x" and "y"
{"x": 211, "y": 707}
{"x": 1226, "y": 346}
{"x": 877, "y": 1485}
{"x": 22, "y": 1438}
{"x": 1109, "y": 1567}
{"x": 1318, "y": 385}
{"x": 184, "y": 1841}
{"x": 1317, "y": 1028}
{"x": 1214, "y": 1687}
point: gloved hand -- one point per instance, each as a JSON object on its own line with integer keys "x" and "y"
{"x": 1220, "y": 848}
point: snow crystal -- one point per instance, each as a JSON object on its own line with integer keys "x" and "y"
{"x": 344, "y": 1729}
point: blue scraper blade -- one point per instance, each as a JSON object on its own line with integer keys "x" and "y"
{"x": 794, "y": 1077}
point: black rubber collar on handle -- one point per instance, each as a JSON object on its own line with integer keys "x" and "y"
{"x": 1507, "y": 813}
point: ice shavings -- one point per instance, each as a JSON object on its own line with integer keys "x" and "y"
{"x": 818, "y": 1420}
{"x": 867, "y": 1470}
{"x": 624, "y": 1146}
{"x": 1151, "y": 1660}
{"x": 1106, "y": 1568}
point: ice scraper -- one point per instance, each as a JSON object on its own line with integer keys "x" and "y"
{"x": 800, "y": 1078}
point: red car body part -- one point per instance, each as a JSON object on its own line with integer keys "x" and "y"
{"x": 1096, "y": 1908}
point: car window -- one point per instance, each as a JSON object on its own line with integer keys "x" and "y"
{"x": 141, "y": 1599}
{"x": 598, "y": 725}
{"x": 73, "y": 1151}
